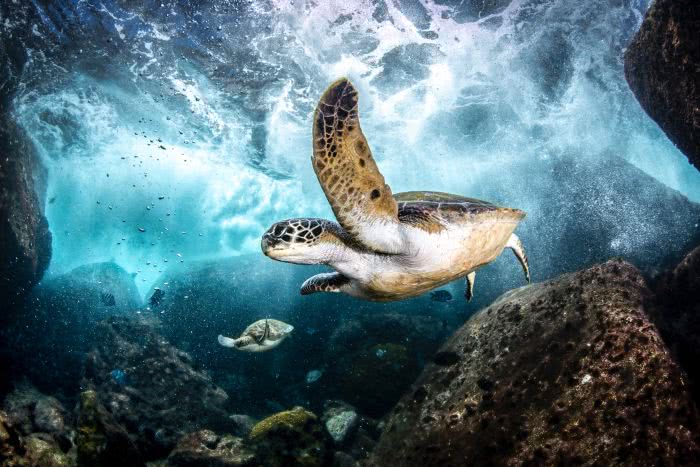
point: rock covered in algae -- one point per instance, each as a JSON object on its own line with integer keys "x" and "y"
{"x": 340, "y": 420}
{"x": 159, "y": 395}
{"x": 566, "y": 372}
{"x": 291, "y": 437}
{"x": 100, "y": 439}
{"x": 205, "y": 448}
{"x": 42, "y": 450}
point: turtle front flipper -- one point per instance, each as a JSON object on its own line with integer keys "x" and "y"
{"x": 516, "y": 245}
{"x": 361, "y": 200}
{"x": 469, "y": 290}
{"x": 326, "y": 282}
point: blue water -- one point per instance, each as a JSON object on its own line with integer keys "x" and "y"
{"x": 179, "y": 132}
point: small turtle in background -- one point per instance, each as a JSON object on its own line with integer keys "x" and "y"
{"x": 441, "y": 296}
{"x": 262, "y": 335}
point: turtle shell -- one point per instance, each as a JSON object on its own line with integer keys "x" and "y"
{"x": 432, "y": 210}
{"x": 276, "y": 329}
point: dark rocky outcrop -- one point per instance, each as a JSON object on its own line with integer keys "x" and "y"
{"x": 676, "y": 311}
{"x": 57, "y": 327}
{"x": 151, "y": 389}
{"x": 662, "y": 67}
{"x": 563, "y": 372}
{"x": 25, "y": 240}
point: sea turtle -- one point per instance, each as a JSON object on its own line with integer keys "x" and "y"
{"x": 262, "y": 335}
{"x": 385, "y": 247}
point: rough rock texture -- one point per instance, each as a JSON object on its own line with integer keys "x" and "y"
{"x": 151, "y": 388}
{"x": 676, "y": 312}
{"x": 100, "y": 439}
{"x": 25, "y": 240}
{"x": 30, "y": 411}
{"x": 340, "y": 420}
{"x": 205, "y": 448}
{"x": 49, "y": 341}
{"x": 662, "y": 66}
{"x": 291, "y": 437}
{"x": 34, "y": 450}
{"x": 565, "y": 372}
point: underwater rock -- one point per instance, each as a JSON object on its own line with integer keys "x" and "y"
{"x": 101, "y": 440}
{"x": 291, "y": 437}
{"x": 33, "y": 412}
{"x": 205, "y": 448}
{"x": 25, "y": 240}
{"x": 662, "y": 67}
{"x": 374, "y": 377}
{"x": 11, "y": 446}
{"x": 41, "y": 450}
{"x": 162, "y": 396}
{"x": 340, "y": 420}
{"x": 58, "y": 326}
{"x": 243, "y": 424}
{"x": 563, "y": 372}
{"x": 676, "y": 312}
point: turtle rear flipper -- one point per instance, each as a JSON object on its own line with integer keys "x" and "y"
{"x": 227, "y": 341}
{"x": 469, "y": 290}
{"x": 516, "y": 245}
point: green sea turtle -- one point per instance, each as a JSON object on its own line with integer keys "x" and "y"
{"x": 385, "y": 247}
{"x": 262, "y": 335}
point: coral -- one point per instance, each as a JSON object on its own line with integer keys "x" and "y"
{"x": 291, "y": 437}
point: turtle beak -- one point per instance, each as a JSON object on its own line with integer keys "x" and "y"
{"x": 267, "y": 243}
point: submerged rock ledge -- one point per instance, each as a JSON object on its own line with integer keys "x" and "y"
{"x": 569, "y": 371}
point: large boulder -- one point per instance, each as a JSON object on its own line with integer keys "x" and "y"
{"x": 57, "y": 328}
{"x": 676, "y": 311}
{"x": 563, "y": 372}
{"x": 151, "y": 389}
{"x": 662, "y": 67}
{"x": 25, "y": 240}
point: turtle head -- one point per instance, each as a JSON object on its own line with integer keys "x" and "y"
{"x": 303, "y": 241}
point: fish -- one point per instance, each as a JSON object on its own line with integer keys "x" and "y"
{"x": 119, "y": 376}
{"x": 108, "y": 299}
{"x": 156, "y": 298}
{"x": 441, "y": 296}
{"x": 313, "y": 376}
